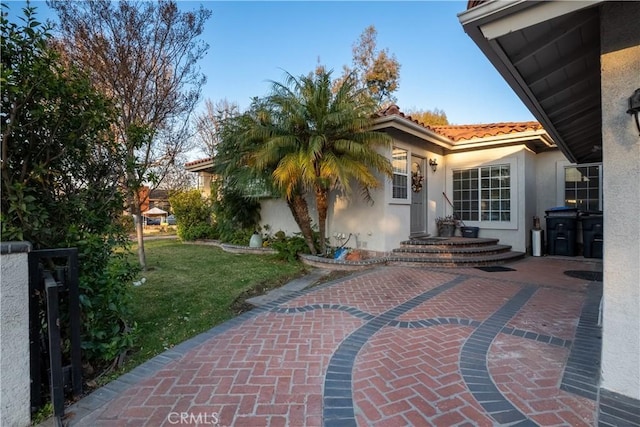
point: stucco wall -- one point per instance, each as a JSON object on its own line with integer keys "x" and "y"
{"x": 510, "y": 233}
{"x": 14, "y": 337}
{"x": 276, "y": 214}
{"x": 620, "y": 65}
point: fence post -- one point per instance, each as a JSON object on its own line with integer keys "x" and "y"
{"x": 15, "y": 406}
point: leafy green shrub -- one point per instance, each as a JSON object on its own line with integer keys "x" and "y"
{"x": 193, "y": 215}
{"x": 237, "y": 237}
{"x": 197, "y": 231}
{"x": 60, "y": 180}
{"x": 236, "y": 216}
{"x": 288, "y": 248}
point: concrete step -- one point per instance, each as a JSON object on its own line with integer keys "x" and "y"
{"x": 453, "y": 260}
{"x": 437, "y": 250}
{"x": 448, "y": 242}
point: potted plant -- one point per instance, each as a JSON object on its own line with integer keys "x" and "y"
{"x": 446, "y": 226}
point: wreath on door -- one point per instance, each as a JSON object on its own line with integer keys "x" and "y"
{"x": 416, "y": 181}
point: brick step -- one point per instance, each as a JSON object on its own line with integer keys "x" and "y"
{"x": 451, "y": 260}
{"x": 447, "y": 242}
{"x": 443, "y": 250}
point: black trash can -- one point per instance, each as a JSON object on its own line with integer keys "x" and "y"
{"x": 562, "y": 228}
{"x": 470, "y": 231}
{"x": 592, "y": 235}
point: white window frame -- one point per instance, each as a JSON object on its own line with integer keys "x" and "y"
{"x": 479, "y": 192}
{"x": 399, "y": 172}
{"x": 516, "y": 186}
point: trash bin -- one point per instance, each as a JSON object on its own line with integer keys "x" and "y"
{"x": 537, "y": 240}
{"x": 469, "y": 231}
{"x": 592, "y": 235}
{"x": 562, "y": 225}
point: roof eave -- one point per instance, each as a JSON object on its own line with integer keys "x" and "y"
{"x": 487, "y": 14}
{"x": 199, "y": 166}
{"x": 505, "y": 139}
{"x": 413, "y": 128}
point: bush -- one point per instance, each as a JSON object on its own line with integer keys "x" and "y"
{"x": 193, "y": 215}
{"x": 237, "y": 237}
{"x": 235, "y": 216}
{"x": 288, "y": 248}
{"x": 195, "y": 232}
{"x": 60, "y": 179}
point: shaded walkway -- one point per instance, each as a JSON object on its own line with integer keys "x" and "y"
{"x": 391, "y": 346}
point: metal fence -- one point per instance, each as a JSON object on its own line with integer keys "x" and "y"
{"x": 54, "y": 328}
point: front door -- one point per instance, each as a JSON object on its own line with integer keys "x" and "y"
{"x": 418, "y": 197}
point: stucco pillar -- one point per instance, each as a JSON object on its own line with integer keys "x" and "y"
{"x": 620, "y": 64}
{"x": 15, "y": 397}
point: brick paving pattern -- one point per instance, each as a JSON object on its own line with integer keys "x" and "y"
{"x": 393, "y": 346}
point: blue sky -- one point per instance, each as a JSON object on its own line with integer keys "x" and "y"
{"x": 254, "y": 42}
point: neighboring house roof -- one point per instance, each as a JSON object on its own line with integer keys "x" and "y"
{"x": 199, "y": 165}
{"x": 159, "y": 194}
{"x": 549, "y": 53}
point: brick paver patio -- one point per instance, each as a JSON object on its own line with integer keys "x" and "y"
{"x": 392, "y": 346}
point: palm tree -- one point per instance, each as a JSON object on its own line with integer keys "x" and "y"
{"x": 320, "y": 140}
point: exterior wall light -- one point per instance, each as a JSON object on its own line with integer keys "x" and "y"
{"x": 634, "y": 107}
{"x": 434, "y": 163}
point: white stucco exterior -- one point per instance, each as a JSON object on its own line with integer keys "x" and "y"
{"x": 620, "y": 67}
{"x": 382, "y": 225}
{"x": 15, "y": 397}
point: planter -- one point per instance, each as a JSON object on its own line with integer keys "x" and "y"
{"x": 255, "y": 241}
{"x": 446, "y": 230}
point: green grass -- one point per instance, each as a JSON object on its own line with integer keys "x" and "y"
{"x": 191, "y": 288}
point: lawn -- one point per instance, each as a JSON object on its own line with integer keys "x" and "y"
{"x": 191, "y": 288}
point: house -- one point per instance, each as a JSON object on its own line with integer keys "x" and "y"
{"x": 518, "y": 161}
{"x": 154, "y": 199}
{"x": 205, "y": 175}
{"x": 576, "y": 66}
{"x": 496, "y": 176}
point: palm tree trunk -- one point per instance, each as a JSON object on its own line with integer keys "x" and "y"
{"x": 322, "y": 203}
{"x": 300, "y": 211}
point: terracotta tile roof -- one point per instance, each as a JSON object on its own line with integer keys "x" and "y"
{"x": 197, "y": 162}
{"x": 474, "y": 3}
{"x": 461, "y": 132}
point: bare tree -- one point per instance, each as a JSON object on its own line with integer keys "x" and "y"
{"x": 375, "y": 70}
{"x": 144, "y": 56}
{"x": 177, "y": 178}
{"x": 208, "y": 124}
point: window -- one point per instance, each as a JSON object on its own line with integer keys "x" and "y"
{"x": 483, "y": 194}
{"x": 400, "y": 174}
{"x": 583, "y": 187}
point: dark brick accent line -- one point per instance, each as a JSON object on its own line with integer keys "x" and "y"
{"x": 338, "y": 404}
{"x": 617, "y": 410}
{"x": 425, "y": 323}
{"x": 545, "y": 339}
{"x": 582, "y": 373}
{"x": 351, "y": 310}
{"x": 473, "y": 363}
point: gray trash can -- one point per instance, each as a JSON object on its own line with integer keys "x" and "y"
{"x": 537, "y": 242}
